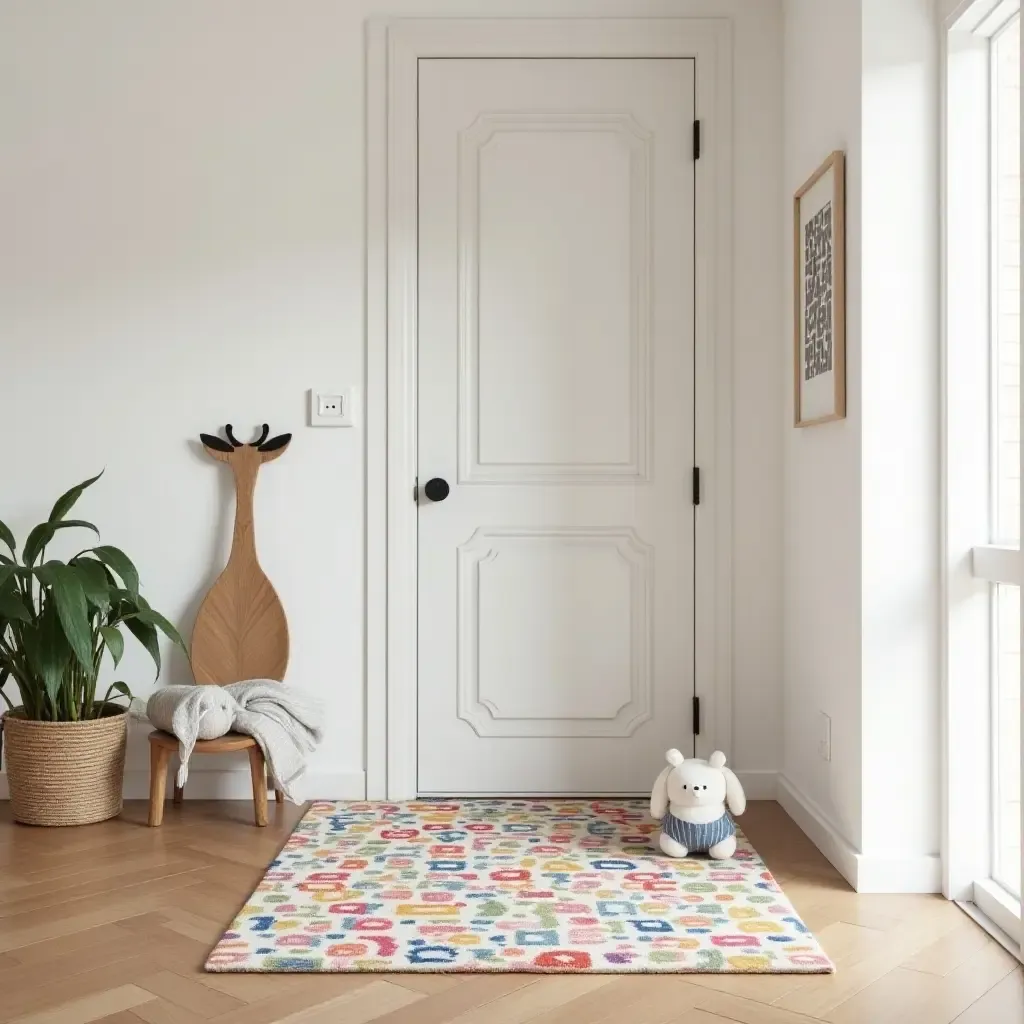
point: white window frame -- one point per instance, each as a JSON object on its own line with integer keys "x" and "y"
{"x": 970, "y": 569}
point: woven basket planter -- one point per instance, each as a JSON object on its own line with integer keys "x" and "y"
{"x": 65, "y": 773}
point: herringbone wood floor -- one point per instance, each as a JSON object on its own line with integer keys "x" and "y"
{"x": 112, "y": 922}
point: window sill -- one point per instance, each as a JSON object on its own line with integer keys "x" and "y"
{"x": 995, "y": 910}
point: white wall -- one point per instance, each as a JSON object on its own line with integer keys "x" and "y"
{"x": 861, "y": 499}
{"x": 947, "y": 9}
{"x": 821, "y": 540}
{"x": 900, "y": 432}
{"x": 181, "y": 194}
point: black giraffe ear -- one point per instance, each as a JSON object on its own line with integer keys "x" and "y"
{"x": 275, "y": 442}
{"x": 216, "y": 443}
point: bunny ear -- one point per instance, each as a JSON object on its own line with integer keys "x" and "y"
{"x": 717, "y": 759}
{"x": 674, "y": 757}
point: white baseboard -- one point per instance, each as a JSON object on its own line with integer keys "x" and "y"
{"x": 911, "y": 873}
{"x": 760, "y": 784}
{"x": 865, "y": 872}
{"x": 816, "y": 826}
{"x": 236, "y": 785}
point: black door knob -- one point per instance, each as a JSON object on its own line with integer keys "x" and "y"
{"x": 436, "y": 489}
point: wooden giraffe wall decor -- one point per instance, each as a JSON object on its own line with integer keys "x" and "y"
{"x": 241, "y": 631}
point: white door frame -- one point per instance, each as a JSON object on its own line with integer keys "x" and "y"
{"x": 394, "y": 47}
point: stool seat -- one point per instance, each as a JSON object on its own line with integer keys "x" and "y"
{"x": 163, "y": 744}
{"x": 221, "y": 745}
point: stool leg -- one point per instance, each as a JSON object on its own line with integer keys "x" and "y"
{"x": 179, "y": 793}
{"x": 158, "y": 758}
{"x": 279, "y": 795}
{"x": 259, "y": 784}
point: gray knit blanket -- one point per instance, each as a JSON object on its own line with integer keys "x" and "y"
{"x": 285, "y": 722}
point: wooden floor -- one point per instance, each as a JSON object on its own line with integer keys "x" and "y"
{"x": 112, "y": 922}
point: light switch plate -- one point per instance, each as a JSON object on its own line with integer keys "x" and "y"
{"x": 332, "y": 408}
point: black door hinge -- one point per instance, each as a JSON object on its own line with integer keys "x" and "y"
{"x": 696, "y": 716}
{"x": 696, "y": 140}
{"x": 696, "y": 485}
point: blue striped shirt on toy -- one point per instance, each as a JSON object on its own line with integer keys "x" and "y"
{"x": 698, "y": 837}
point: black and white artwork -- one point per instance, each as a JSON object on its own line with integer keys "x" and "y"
{"x": 818, "y": 293}
{"x": 819, "y": 309}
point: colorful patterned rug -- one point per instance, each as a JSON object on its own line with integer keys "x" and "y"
{"x": 539, "y": 885}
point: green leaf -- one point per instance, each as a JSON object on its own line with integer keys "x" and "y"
{"x": 6, "y": 572}
{"x": 4, "y": 676}
{"x": 37, "y": 539}
{"x": 42, "y": 534}
{"x": 6, "y": 536}
{"x": 119, "y": 687}
{"x": 120, "y": 596}
{"x": 63, "y": 505}
{"x": 48, "y": 652}
{"x": 145, "y": 633}
{"x": 72, "y": 608}
{"x": 114, "y": 641}
{"x": 12, "y": 607}
{"x": 95, "y": 582}
{"x": 154, "y": 618}
{"x": 121, "y": 564}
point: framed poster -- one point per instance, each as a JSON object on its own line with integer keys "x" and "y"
{"x": 819, "y": 291}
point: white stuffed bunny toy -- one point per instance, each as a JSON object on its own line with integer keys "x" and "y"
{"x": 689, "y": 797}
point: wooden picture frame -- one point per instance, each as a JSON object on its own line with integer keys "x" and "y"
{"x": 819, "y": 297}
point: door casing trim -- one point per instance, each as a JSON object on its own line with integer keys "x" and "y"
{"x": 394, "y": 47}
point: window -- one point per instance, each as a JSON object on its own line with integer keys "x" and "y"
{"x": 1005, "y": 217}
{"x": 983, "y": 462}
{"x": 1005, "y": 333}
{"x": 1006, "y": 740}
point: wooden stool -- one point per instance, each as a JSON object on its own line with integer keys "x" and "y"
{"x": 163, "y": 744}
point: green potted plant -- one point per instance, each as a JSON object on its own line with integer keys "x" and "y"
{"x": 65, "y": 742}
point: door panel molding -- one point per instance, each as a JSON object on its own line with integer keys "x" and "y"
{"x": 394, "y": 48}
{"x": 624, "y": 129}
{"x": 483, "y": 713}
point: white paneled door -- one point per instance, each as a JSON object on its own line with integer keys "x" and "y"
{"x": 556, "y": 402}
